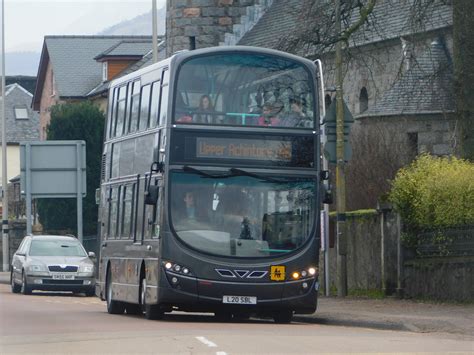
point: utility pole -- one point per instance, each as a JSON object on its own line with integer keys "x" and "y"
{"x": 154, "y": 32}
{"x": 5, "y": 244}
{"x": 340, "y": 168}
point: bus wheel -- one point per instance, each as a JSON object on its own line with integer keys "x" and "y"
{"x": 283, "y": 317}
{"x": 133, "y": 308}
{"x": 113, "y": 307}
{"x": 152, "y": 311}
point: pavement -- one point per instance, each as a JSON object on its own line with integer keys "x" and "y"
{"x": 385, "y": 314}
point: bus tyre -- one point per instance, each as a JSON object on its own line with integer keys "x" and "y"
{"x": 25, "y": 289}
{"x": 132, "y": 308}
{"x": 283, "y": 317}
{"x": 15, "y": 288}
{"x": 113, "y": 307}
{"x": 152, "y": 311}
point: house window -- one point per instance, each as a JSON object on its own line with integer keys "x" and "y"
{"x": 327, "y": 101}
{"x": 21, "y": 113}
{"x": 105, "y": 71}
{"x": 363, "y": 100}
{"x": 413, "y": 144}
{"x": 52, "y": 91}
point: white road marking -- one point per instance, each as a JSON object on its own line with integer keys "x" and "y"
{"x": 206, "y": 342}
{"x": 221, "y": 353}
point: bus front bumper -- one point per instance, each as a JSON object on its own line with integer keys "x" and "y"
{"x": 193, "y": 294}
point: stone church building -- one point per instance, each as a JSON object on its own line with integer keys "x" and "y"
{"x": 398, "y": 72}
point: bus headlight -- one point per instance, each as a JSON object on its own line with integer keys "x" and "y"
{"x": 295, "y": 275}
{"x": 313, "y": 271}
{"x": 176, "y": 268}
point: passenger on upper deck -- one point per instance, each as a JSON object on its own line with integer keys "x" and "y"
{"x": 296, "y": 117}
{"x": 205, "y": 111}
{"x": 269, "y": 115}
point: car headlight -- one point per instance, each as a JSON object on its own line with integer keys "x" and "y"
{"x": 36, "y": 268}
{"x": 87, "y": 269}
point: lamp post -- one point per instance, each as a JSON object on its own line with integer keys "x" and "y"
{"x": 154, "y": 32}
{"x": 6, "y": 254}
{"x": 340, "y": 168}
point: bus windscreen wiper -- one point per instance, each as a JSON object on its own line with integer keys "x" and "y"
{"x": 237, "y": 172}
{"x": 203, "y": 173}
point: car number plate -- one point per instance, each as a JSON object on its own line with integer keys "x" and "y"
{"x": 239, "y": 300}
{"x": 63, "y": 277}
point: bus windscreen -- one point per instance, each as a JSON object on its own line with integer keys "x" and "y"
{"x": 242, "y": 214}
{"x": 244, "y": 89}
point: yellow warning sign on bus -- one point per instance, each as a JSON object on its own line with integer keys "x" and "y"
{"x": 277, "y": 273}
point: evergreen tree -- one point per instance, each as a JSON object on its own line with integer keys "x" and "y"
{"x": 77, "y": 121}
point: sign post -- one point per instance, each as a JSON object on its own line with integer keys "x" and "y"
{"x": 53, "y": 169}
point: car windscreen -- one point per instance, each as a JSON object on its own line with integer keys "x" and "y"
{"x": 56, "y": 248}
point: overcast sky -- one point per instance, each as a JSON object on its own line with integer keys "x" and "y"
{"x": 28, "y": 21}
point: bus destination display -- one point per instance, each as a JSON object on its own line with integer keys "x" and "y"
{"x": 252, "y": 149}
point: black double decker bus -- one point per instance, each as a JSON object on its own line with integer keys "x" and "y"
{"x": 210, "y": 191}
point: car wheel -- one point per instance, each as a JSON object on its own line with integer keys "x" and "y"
{"x": 151, "y": 311}
{"x": 15, "y": 288}
{"x": 283, "y": 317}
{"x": 113, "y": 307}
{"x": 25, "y": 289}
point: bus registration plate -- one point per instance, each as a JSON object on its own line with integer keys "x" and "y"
{"x": 239, "y": 299}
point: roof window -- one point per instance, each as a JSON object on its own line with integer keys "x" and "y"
{"x": 21, "y": 113}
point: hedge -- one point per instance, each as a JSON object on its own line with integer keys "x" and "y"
{"x": 435, "y": 192}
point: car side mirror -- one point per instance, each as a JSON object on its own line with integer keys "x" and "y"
{"x": 91, "y": 255}
{"x": 327, "y": 195}
{"x": 151, "y": 195}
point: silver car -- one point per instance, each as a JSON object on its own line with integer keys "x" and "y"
{"x": 52, "y": 263}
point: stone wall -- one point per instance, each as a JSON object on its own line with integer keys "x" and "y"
{"x": 367, "y": 267}
{"x": 207, "y": 21}
{"x": 372, "y": 263}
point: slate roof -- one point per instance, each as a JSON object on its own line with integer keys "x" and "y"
{"x": 76, "y": 72}
{"x": 390, "y": 19}
{"x": 126, "y": 48}
{"x": 146, "y": 60}
{"x": 19, "y": 130}
{"x": 427, "y": 87}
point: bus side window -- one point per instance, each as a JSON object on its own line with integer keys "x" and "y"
{"x": 110, "y": 120}
{"x": 144, "y": 108}
{"x": 134, "y": 106}
{"x": 113, "y": 212}
{"x": 155, "y": 104}
{"x": 126, "y": 221}
{"x": 164, "y": 97}
{"x": 121, "y": 107}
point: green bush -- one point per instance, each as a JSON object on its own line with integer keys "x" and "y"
{"x": 435, "y": 192}
{"x": 75, "y": 121}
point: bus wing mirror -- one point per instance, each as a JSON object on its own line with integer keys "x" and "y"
{"x": 324, "y": 174}
{"x": 151, "y": 195}
{"x": 327, "y": 195}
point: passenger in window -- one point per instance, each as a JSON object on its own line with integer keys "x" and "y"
{"x": 205, "y": 112}
{"x": 296, "y": 117}
{"x": 268, "y": 117}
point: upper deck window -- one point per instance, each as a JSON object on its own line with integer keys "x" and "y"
{"x": 244, "y": 89}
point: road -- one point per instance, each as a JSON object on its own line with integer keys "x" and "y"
{"x": 62, "y": 323}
